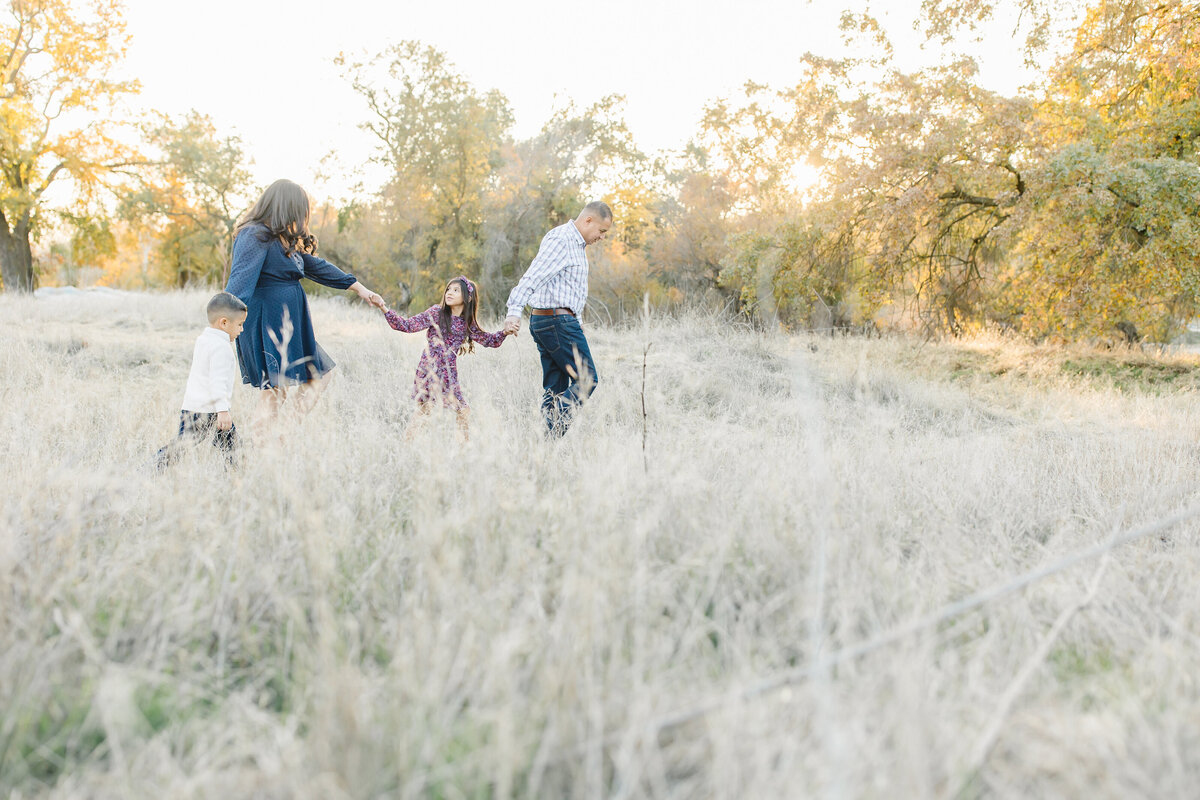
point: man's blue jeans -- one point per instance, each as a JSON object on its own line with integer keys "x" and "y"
{"x": 568, "y": 372}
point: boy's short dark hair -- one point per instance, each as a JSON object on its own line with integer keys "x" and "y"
{"x": 224, "y": 304}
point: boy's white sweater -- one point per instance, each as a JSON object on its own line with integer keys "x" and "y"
{"x": 214, "y": 369}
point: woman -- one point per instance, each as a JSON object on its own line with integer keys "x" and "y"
{"x": 272, "y": 251}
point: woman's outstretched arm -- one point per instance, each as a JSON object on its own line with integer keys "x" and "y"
{"x": 318, "y": 270}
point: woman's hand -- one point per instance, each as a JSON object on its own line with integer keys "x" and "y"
{"x": 224, "y": 420}
{"x": 368, "y": 295}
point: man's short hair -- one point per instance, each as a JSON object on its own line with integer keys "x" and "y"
{"x": 598, "y": 209}
{"x": 224, "y": 304}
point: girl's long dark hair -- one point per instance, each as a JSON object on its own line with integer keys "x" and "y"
{"x": 284, "y": 210}
{"x": 470, "y": 295}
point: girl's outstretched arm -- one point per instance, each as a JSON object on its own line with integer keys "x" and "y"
{"x": 488, "y": 339}
{"x": 412, "y": 324}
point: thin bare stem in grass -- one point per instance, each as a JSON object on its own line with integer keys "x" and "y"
{"x": 645, "y": 416}
{"x": 645, "y": 358}
{"x": 991, "y": 733}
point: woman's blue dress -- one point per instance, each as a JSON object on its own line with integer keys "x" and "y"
{"x": 277, "y": 346}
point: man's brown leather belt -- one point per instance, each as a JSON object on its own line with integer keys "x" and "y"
{"x": 547, "y": 312}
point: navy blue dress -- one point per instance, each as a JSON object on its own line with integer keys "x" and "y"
{"x": 268, "y": 282}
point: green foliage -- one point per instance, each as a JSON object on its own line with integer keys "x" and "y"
{"x": 91, "y": 237}
{"x": 1072, "y": 664}
{"x": 190, "y": 197}
{"x": 442, "y": 139}
{"x": 1107, "y": 240}
{"x": 1143, "y": 374}
{"x": 808, "y": 278}
{"x": 1064, "y": 213}
{"x": 49, "y": 740}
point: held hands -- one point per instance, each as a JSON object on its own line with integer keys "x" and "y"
{"x": 512, "y": 326}
{"x": 371, "y": 297}
{"x": 224, "y": 420}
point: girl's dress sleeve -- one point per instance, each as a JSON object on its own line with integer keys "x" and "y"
{"x": 249, "y": 254}
{"x": 412, "y": 324}
{"x": 321, "y": 271}
{"x": 488, "y": 339}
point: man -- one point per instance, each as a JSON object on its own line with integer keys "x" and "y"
{"x": 556, "y": 286}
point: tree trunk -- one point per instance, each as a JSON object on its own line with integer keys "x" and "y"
{"x": 405, "y": 300}
{"x": 16, "y": 257}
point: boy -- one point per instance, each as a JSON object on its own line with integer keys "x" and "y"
{"x": 206, "y": 399}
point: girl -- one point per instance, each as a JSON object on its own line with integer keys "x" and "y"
{"x": 452, "y": 329}
{"x": 272, "y": 250}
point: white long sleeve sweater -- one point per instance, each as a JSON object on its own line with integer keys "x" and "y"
{"x": 214, "y": 369}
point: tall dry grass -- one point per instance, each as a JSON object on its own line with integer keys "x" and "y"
{"x": 354, "y": 615}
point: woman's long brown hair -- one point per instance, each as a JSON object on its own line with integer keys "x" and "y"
{"x": 470, "y": 305}
{"x": 284, "y": 210}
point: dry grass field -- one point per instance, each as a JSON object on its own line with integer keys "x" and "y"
{"x": 808, "y": 585}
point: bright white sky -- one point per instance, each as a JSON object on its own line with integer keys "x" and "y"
{"x": 263, "y": 69}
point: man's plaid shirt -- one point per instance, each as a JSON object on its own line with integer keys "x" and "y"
{"x": 558, "y": 275}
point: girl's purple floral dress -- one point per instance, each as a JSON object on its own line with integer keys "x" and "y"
{"x": 437, "y": 372}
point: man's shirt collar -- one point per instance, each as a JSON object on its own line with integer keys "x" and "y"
{"x": 577, "y": 237}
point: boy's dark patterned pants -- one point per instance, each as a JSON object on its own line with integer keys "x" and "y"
{"x": 196, "y": 428}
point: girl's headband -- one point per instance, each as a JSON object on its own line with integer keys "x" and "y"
{"x": 467, "y": 283}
